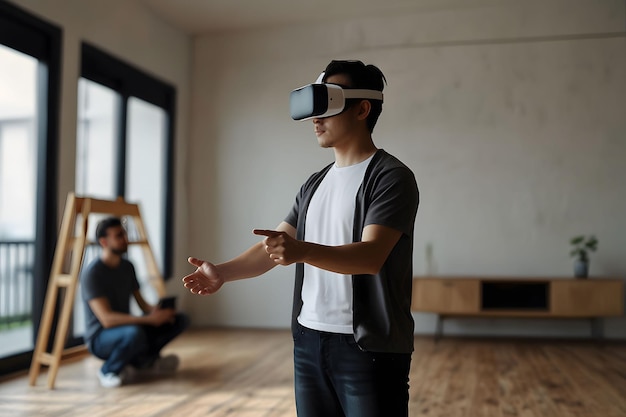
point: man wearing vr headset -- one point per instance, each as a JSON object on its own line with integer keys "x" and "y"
{"x": 350, "y": 233}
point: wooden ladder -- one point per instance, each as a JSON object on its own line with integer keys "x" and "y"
{"x": 65, "y": 272}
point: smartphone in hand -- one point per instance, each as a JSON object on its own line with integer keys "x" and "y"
{"x": 167, "y": 302}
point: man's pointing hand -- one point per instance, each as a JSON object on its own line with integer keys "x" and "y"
{"x": 281, "y": 248}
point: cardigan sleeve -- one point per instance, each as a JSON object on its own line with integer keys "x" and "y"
{"x": 394, "y": 200}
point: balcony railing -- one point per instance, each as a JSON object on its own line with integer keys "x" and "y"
{"x": 16, "y": 282}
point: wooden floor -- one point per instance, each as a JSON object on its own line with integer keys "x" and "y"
{"x": 248, "y": 373}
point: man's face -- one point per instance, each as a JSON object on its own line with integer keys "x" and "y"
{"x": 334, "y": 130}
{"x": 116, "y": 240}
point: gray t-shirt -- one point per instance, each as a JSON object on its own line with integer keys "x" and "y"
{"x": 116, "y": 284}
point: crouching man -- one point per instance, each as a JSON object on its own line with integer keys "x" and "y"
{"x": 127, "y": 343}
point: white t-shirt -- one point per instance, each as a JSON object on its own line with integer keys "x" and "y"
{"x": 327, "y": 296}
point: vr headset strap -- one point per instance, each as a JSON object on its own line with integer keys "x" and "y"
{"x": 365, "y": 94}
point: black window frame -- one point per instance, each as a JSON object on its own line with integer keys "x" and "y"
{"x": 31, "y": 35}
{"x": 128, "y": 81}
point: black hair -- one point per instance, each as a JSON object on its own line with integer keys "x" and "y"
{"x": 105, "y": 225}
{"x": 368, "y": 77}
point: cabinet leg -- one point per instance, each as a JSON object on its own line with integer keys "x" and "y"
{"x": 439, "y": 328}
{"x": 597, "y": 328}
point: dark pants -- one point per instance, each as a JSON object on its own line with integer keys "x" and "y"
{"x": 134, "y": 344}
{"x": 335, "y": 378}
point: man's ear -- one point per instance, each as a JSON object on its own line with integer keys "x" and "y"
{"x": 364, "y": 109}
{"x": 102, "y": 241}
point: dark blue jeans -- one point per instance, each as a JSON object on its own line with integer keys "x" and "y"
{"x": 134, "y": 344}
{"x": 335, "y": 378}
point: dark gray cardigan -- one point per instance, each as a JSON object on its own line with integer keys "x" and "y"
{"x": 388, "y": 196}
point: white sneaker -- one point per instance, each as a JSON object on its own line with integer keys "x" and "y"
{"x": 166, "y": 364}
{"x": 109, "y": 380}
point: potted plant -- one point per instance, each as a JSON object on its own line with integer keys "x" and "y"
{"x": 581, "y": 246}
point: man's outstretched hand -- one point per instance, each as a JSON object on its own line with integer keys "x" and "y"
{"x": 205, "y": 280}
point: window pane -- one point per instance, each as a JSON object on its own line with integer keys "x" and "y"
{"x": 96, "y": 161}
{"x": 145, "y": 168}
{"x": 96, "y": 146}
{"x": 18, "y": 173}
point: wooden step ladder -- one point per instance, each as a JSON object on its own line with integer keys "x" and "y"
{"x": 65, "y": 272}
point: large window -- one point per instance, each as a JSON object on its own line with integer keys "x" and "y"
{"x": 18, "y": 160}
{"x": 125, "y": 143}
{"x": 29, "y": 102}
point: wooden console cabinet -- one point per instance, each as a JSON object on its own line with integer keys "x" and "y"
{"x": 591, "y": 298}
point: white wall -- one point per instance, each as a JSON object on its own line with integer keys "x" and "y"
{"x": 511, "y": 117}
{"x": 130, "y": 33}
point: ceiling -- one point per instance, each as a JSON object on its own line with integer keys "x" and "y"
{"x": 209, "y": 16}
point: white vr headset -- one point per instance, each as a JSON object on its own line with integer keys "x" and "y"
{"x": 324, "y": 100}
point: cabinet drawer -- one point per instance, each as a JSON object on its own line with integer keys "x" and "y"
{"x": 587, "y": 298}
{"x": 446, "y": 296}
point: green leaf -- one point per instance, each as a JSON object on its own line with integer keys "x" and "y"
{"x": 577, "y": 240}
